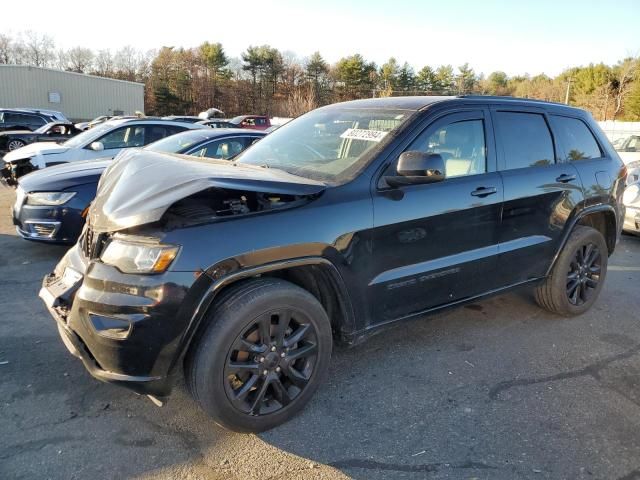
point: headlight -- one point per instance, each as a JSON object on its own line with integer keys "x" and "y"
{"x": 131, "y": 257}
{"x": 49, "y": 198}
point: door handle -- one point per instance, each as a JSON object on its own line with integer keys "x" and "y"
{"x": 484, "y": 191}
{"x": 565, "y": 178}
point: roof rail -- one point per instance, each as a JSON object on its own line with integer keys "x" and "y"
{"x": 508, "y": 98}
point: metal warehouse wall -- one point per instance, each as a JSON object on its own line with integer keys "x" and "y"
{"x": 78, "y": 96}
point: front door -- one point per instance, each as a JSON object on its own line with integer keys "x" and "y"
{"x": 433, "y": 242}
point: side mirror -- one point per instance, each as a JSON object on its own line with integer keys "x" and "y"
{"x": 97, "y": 146}
{"x": 416, "y": 167}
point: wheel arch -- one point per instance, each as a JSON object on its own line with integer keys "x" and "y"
{"x": 317, "y": 275}
{"x": 600, "y": 217}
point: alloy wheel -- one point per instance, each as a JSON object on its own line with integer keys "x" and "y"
{"x": 15, "y": 144}
{"x": 584, "y": 274}
{"x": 271, "y": 362}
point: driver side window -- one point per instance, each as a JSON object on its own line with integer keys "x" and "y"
{"x": 460, "y": 144}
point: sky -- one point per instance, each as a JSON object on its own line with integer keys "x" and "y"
{"x": 525, "y": 36}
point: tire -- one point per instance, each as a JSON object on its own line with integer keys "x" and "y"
{"x": 245, "y": 371}
{"x": 577, "y": 276}
{"x": 15, "y": 144}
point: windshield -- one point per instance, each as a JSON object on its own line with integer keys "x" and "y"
{"x": 178, "y": 143}
{"x": 237, "y": 120}
{"x": 329, "y": 144}
{"x": 88, "y": 136}
{"x": 44, "y": 128}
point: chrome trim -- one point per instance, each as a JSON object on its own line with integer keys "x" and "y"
{"x": 32, "y": 234}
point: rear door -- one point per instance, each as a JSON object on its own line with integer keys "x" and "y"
{"x": 540, "y": 192}
{"x": 434, "y": 244}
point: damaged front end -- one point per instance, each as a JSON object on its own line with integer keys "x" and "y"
{"x": 12, "y": 171}
{"x": 116, "y": 290}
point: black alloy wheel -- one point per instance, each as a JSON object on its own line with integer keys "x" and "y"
{"x": 584, "y": 274}
{"x": 270, "y": 362}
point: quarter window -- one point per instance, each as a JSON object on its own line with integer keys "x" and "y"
{"x": 525, "y": 139}
{"x": 576, "y": 138}
{"x": 460, "y": 144}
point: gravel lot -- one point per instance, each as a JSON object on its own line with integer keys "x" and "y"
{"x": 498, "y": 389}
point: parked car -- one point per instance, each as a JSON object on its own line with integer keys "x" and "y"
{"x": 629, "y": 149}
{"x": 217, "y": 123}
{"x": 183, "y": 118}
{"x": 103, "y": 141}
{"x": 51, "y": 204}
{"x": 345, "y": 220}
{"x": 50, "y": 132}
{"x": 254, "y": 122}
{"x": 631, "y": 199}
{"x": 93, "y": 123}
{"x": 27, "y": 119}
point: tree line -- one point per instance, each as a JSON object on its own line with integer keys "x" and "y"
{"x": 264, "y": 80}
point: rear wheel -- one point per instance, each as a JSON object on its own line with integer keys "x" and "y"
{"x": 15, "y": 144}
{"x": 265, "y": 351}
{"x": 578, "y": 275}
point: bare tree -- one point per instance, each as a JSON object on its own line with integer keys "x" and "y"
{"x": 104, "y": 64}
{"x": 623, "y": 75}
{"x": 39, "y": 49}
{"x": 127, "y": 62}
{"x": 6, "y": 49}
{"x": 79, "y": 59}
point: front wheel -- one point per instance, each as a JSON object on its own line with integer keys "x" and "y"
{"x": 263, "y": 354}
{"x": 15, "y": 144}
{"x": 578, "y": 275}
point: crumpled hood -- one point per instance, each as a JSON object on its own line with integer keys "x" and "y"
{"x": 140, "y": 185}
{"x": 43, "y": 148}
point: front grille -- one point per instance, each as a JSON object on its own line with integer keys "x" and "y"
{"x": 92, "y": 243}
{"x": 43, "y": 230}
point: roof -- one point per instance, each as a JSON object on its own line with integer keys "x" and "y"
{"x": 210, "y": 133}
{"x": 30, "y": 67}
{"x": 421, "y": 102}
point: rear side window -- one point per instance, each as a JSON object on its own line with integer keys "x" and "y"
{"x": 576, "y": 138}
{"x": 525, "y": 139}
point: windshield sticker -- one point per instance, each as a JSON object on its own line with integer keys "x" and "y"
{"x": 362, "y": 134}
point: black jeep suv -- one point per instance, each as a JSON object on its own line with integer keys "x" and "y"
{"x": 347, "y": 219}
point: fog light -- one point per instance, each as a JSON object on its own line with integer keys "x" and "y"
{"x": 110, "y": 327}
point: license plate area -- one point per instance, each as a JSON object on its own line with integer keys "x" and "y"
{"x": 60, "y": 290}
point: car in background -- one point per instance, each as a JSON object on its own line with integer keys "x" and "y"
{"x": 93, "y": 123}
{"x": 631, "y": 199}
{"x": 183, "y": 118}
{"x": 217, "y": 123}
{"x": 27, "y": 119}
{"x": 103, "y": 141}
{"x": 51, "y": 204}
{"x": 51, "y": 132}
{"x": 628, "y": 148}
{"x": 254, "y": 122}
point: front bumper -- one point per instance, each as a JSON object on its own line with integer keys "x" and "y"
{"x": 127, "y": 329}
{"x": 56, "y": 224}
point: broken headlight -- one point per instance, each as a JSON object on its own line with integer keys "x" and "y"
{"x": 132, "y": 257}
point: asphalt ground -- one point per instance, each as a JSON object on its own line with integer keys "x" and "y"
{"x": 499, "y": 389}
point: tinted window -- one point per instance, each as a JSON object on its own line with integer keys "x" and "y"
{"x": 156, "y": 132}
{"x": 576, "y": 138}
{"x": 125, "y": 137}
{"x": 525, "y": 139}
{"x": 460, "y": 144}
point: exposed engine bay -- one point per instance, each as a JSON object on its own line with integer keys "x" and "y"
{"x": 217, "y": 203}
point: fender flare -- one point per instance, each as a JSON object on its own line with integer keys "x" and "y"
{"x": 216, "y": 285}
{"x": 571, "y": 224}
